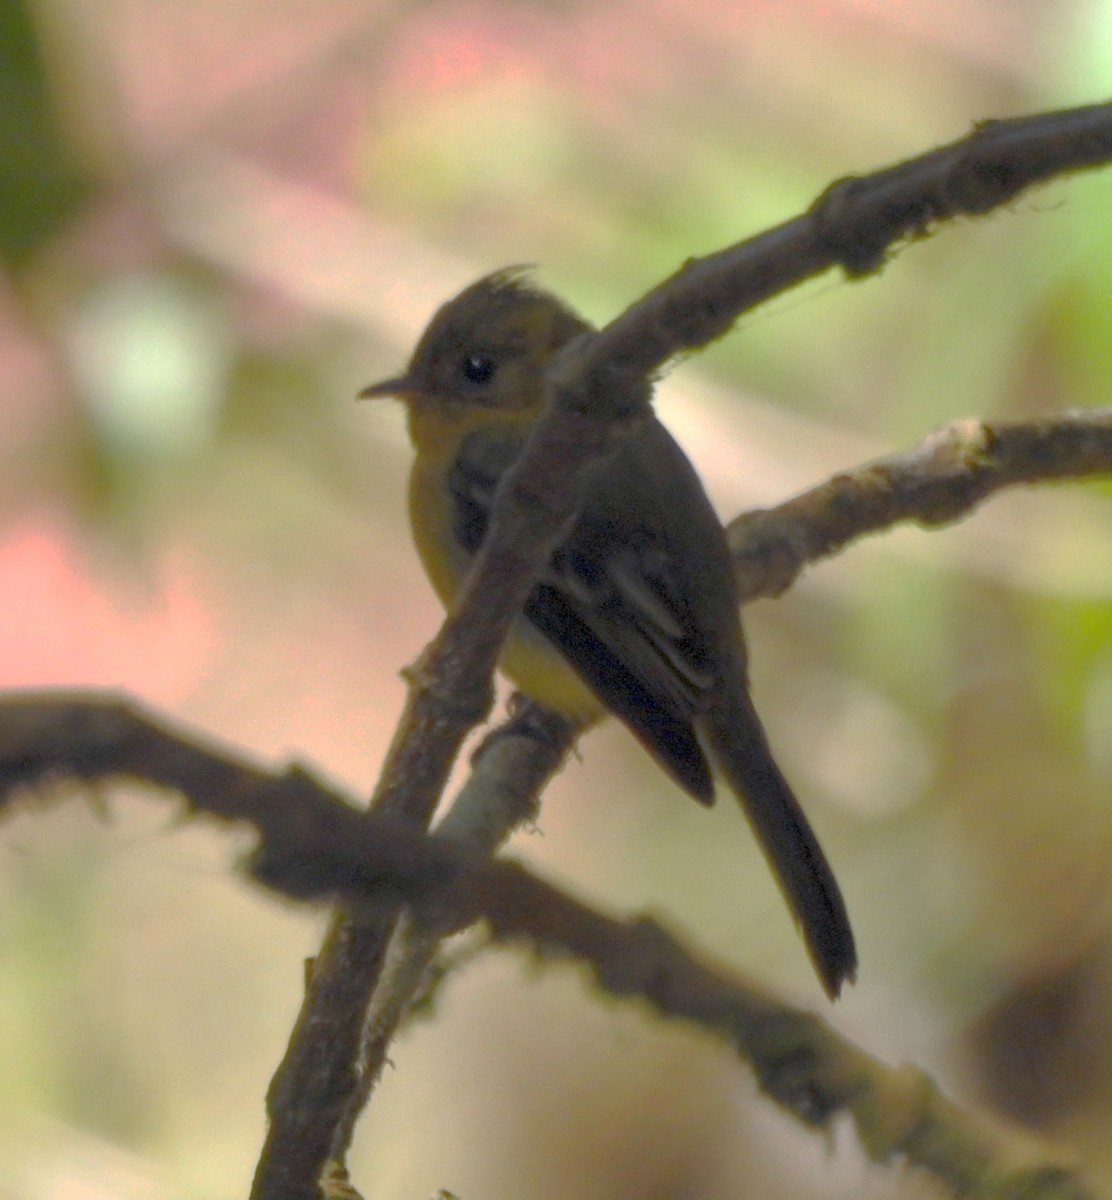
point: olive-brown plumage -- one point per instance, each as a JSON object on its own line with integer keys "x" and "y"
{"x": 637, "y": 612}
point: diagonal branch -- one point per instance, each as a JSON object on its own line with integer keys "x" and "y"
{"x": 598, "y": 384}
{"x": 854, "y": 224}
{"x": 937, "y": 482}
{"x": 315, "y": 844}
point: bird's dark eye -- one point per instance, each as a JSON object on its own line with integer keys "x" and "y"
{"x": 479, "y": 368}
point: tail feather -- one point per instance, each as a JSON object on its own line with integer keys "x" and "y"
{"x": 740, "y": 749}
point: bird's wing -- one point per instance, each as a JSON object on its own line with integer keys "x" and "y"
{"x": 639, "y": 599}
{"x": 612, "y": 599}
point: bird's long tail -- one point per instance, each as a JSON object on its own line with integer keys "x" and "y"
{"x": 737, "y": 743}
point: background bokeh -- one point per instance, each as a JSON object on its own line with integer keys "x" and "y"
{"x": 217, "y": 221}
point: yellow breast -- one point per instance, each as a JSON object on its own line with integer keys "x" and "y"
{"x": 529, "y": 660}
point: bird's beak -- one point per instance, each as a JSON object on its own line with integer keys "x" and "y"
{"x": 402, "y": 387}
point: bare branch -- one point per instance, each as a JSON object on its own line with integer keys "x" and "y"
{"x": 315, "y": 845}
{"x": 939, "y": 481}
{"x": 853, "y": 224}
{"x": 509, "y": 771}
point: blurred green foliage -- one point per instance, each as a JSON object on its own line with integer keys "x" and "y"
{"x": 42, "y": 183}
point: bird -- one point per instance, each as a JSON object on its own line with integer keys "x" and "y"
{"x": 637, "y": 613}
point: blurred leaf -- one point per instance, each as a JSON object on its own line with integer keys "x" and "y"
{"x": 40, "y": 183}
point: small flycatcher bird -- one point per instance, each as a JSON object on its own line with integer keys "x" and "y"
{"x": 637, "y": 612}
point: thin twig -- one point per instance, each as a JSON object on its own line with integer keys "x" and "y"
{"x": 508, "y": 773}
{"x": 937, "y": 482}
